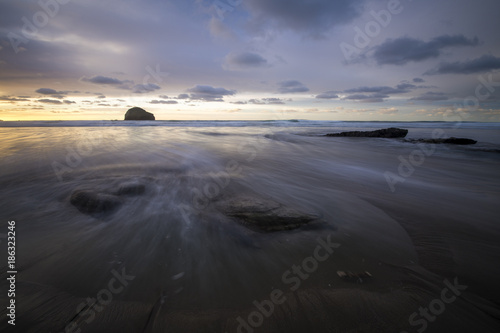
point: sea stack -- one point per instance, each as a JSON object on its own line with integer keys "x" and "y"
{"x": 136, "y": 113}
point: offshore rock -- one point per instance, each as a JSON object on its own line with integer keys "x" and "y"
{"x": 138, "y": 114}
{"x": 382, "y": 133}
{"x": 452, "y": 140}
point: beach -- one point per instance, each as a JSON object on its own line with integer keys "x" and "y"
{"x": 389, "y": 235}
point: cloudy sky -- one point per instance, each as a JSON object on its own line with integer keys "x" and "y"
{"x": 251, "y": 59}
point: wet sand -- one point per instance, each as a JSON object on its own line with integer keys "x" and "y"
{"x": 170, "y": 260}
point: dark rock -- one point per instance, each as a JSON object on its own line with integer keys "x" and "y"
{"x": 138, "y": 114}
{"x": 131, "y": 188}
{"x": 89, "y": 202}
{"x": 265, "y": 215}
{"x": 382, "y": 133}
{"x": 452, "y": 140}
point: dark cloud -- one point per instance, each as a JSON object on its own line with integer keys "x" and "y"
{"x": 69, "y": 102}
{"x": 405, "y": 86}
{"x": 405, "y": 49}
{"x": 418, "y": 80}
{"x": 484, "y": 63}
{"x": 371, "y": 98}
{"x": 144, "y": 88}
{"x": 50, "y": 101}
{"x": 275, "y": 101}
{"x": 328, "y": 95}
{"x": 103, "y": 80}
{"x": 209, "y": 93}
{"x": 122, "y": 84}
{"x": 49, "y": 91}
{"x": 313, "y": 18}
{"x": 13, "y": 99}
{"x": 156, "y": 101}
{"x": 245, "y": 60}
{"x": 431, "y": 97}
{"x": 183, "y": 96}
{"x": 385, "y": 90}
{"x": 292, "y": 86}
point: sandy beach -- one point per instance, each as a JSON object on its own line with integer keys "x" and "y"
{"x": 386, "y": 235}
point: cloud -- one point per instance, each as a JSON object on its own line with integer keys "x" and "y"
{"x": 156, "y": 101}
{"x": 13, "y": 99}
{"x": 183, "y": 96}
{"x": 69, "y": 102}
{"x": 209, "y": 93}
{"x": 385, "y": 90}
{"x": 418, "y": 80}
{"x": 144, "y": 88}
{"x": 376, "y": 94}
{"x": 371, "y": 98}
{"x": 103, "y": 80}
{"x": 328, "y": 95}
{"x": 48, "y": 91}
{"x": 122, "y": 84}
{"x": 312, "y": 18}
{"x": 244, "y": 60}
{"x": 405, "y": 87}
{"x": 484, "y": 63}
{"x": 430, "y": 97}
{"x": 50, "y": 101}
{"x": 275, "y": 101}
{"x": 405, "y": 49}
{"x": 291, "y": 86}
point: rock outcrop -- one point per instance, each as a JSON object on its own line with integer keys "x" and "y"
{"x": 452, "y": 140}
{"x": 264, "y": 215}
{"x": 138, "y": 114}
{"x": 382, "y": 133}
{"x": 89, "y": 202}
{"x": 131, "y": 189}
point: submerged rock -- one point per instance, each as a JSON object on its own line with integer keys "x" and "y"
{"x": 382, "y": 133}
{"x": 452, "y": 140}
{"x": 138, "y": 114}
{"x": 354, "y": 277}
{"x": 89, "y": 202}
{"x": 265, "y": 215}
{"x": 131, "y": 189}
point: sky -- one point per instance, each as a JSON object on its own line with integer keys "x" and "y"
{"x": 357, "y": 60}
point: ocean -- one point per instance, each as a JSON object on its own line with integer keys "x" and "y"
{"x": 174, "y": 245}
